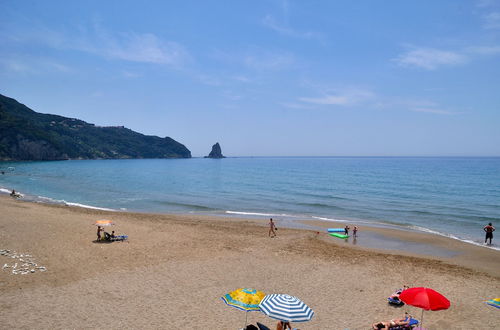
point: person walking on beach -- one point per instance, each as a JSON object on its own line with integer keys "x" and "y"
{"x": 489, "y": 229}
{"x": 355, "y": 231}
{"x": 272, "y": 228}
{"x": 346, "y": 230}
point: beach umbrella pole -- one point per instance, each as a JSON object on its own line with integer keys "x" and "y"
{"x": 246, "y": 318}
{"x": 422, "y": 319}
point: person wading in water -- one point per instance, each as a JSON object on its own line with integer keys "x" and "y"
{"x": 489, "y": 229}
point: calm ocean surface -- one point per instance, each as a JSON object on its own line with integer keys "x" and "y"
{"x": 455, "y": 197}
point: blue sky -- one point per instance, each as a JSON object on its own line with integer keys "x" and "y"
{"x": 266, "y": 78}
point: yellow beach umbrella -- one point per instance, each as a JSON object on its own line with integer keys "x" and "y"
{"x": 104, "y": 223}
{"x": 244, "y": 299}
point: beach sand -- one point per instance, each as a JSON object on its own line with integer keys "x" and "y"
{"x": 174, "y": 269}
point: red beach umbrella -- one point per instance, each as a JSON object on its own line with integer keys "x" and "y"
{"x": 424, "y": 298}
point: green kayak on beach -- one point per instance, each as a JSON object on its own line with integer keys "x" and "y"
{"x": 339, "y": 235}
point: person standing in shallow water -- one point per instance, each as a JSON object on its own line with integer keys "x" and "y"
{"x": 489, "y": 229}
{"x": 272, "y": 228}
{"x": 346, "y": 230}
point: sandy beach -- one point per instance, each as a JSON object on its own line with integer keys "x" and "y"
{"x": 174, "y": 269}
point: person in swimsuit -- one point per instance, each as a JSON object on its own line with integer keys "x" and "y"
{"x": 390, "y": 324}
{"x": 283, "y": 325}
{"x": 355, "y": 231}
{"x": 98, "y": 233}
{"x": 489, "y": 229}
{"x": 346, "y": 230}
{"x": 396, "y": 293}
{"x": 272, "y": 228}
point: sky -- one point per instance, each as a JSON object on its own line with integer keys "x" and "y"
{"x": 267, "y": 77}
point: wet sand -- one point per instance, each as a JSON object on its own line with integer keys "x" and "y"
{"x": 174, "y": 269}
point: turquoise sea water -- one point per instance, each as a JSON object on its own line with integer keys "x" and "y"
{"x": 455, "y": 197}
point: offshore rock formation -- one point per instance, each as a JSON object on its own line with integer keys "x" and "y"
{"x": 216, "y": 152}
{"x": 29, "y": 135}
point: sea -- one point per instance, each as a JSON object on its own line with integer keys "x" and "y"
{"x": 448, "y": 196}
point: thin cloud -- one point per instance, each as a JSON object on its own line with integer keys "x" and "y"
{"x": 430, "y": 58}
{"x": 146, "y": 48}
{"x": 345, "y": 98}
{"x": 295, "y": 105}
{"x": 434, "y": 111}
{"x": 425, "y": 106}
{"x": 132, "y": 47}
{"x": 16, "y": 66}
{"x": 242, "y": 79}
{"x": 327, "y": 100}
{"x": 269, "y": 60}
{"x": 128, "y": 74}
{"x": 486, "y": 3}
{"x": 257, "y": 59}
{"x": 208, "y": 80}
{"x": 32, "y": 65}
{"x": 484, "y": 50}
{"x": 492, "y": 21}
{"x": 270, "y": 22}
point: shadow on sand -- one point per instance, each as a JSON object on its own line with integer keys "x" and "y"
{"x": 102, "y": 241}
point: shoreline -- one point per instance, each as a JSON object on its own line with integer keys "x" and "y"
{"x": 182, "y": 264}
{"x": 299, "y": 222}
{"x": 381, "y": 238}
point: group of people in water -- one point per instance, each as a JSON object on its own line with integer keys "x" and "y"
{"x": 273, "y": 229}
{"x": 354, "y": 231}
{"x": 489, "y": 229}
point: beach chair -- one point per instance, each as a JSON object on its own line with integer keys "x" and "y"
{"x": 262, "y": 326}
{"x": 395, "y": 301}
{"x": 120, "y": 238}
{"x": 413, "y": 323}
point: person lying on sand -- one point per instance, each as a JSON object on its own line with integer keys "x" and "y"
{"x": 391, "y": 324}
{"x": 396, "y": 293}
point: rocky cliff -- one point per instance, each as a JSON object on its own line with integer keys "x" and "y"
{"x": 29, "y": 135}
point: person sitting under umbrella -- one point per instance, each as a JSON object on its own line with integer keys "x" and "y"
{"x": 108, "y": 236}
{"x": 283, "y": 325}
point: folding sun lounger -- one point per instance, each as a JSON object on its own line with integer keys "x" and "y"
{"x": 121, "y": 238}
{"x": 395, "y": 302}
{"x": 413, "y": 323}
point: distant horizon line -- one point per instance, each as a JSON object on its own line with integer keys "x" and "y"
{"x": 358, "y": 156}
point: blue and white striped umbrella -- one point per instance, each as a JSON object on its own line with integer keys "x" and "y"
{"x": 285, "y": 308}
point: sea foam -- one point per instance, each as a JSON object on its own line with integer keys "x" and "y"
{"x": 469, "y": 241}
